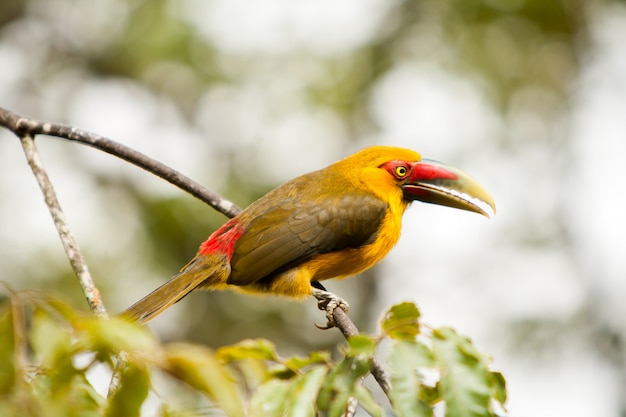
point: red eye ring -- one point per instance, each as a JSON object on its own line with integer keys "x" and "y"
{"x": 399, "y": 169}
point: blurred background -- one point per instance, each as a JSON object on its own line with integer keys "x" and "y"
{"x": 529, "y": 96}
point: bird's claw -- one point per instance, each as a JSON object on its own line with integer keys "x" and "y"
{"x": 329, "y": 302}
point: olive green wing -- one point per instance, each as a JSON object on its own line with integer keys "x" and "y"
{"x": 294, "y": 231}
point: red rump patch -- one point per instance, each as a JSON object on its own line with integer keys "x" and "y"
{"x": 223, "y": 239}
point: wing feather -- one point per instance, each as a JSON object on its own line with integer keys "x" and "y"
{"x": 294, "y": 231}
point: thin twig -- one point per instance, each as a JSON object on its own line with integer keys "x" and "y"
{"x": 20, "y": 338}
{"x": 352, "y": 404}
{"x": 22, "y": 126}
{"x": 69, "y": 243}
{"x": 116, "y": 377}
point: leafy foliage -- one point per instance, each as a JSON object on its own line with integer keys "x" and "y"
{"x": 49, "y": 355}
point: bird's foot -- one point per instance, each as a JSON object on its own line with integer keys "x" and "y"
{"x": 329, "y": 302}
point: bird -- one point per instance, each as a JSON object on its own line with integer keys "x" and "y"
{"x": 335, "y": 222}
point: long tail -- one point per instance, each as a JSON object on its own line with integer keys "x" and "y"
{"x": 205, "y": 270}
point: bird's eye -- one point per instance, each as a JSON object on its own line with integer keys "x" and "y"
{"x": 401, "y": 171}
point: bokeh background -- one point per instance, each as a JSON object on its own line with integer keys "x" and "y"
{"x": 529, "y": 96}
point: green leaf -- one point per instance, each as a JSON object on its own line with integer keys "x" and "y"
{"x": 367, "y": 401}
{"x": 52, "y": 343}
{"x": 248, "y": 349}
{"x": 304, "y": 392}
{"x": 361, "y": 345}
{"x": 198, "y": 367}
{"x": 49, "y": 340}
{"x": 497, "y": 387}
{"x": 406, "y": 383}
{"x": 464, "y": 382}
{"x": 132, "y": 392}
{"x": 300, "y": 362}
{"x": 90, "y": 399}
{"x": 114, "y": 335}
{"x": 254, "y": 372}
{"x": 7, "y": 352}
{"x": 270, "y": 400}
{"x": 341, "y": 384}
{"x": 280, "y": 371}
{"x": 76, "y": 398}
{"x": 402, "y": 322}
{"x": 55, "y": 307}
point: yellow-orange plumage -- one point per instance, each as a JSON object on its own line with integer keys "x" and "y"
{"x": 331, "y": 223}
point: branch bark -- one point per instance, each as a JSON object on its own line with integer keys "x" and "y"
{"x": 69, "y": 243}
{"x": 21, "y": 126}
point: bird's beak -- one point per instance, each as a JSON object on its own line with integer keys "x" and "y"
{"x": 436, "y": 183}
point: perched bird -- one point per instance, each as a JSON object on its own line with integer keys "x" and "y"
{"x": 331, "y": 223}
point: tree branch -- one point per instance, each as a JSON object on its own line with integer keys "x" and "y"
{"x": 69, "y": 243}
{"x": 21, "y": 125}
{"x": 27, "y": 128}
